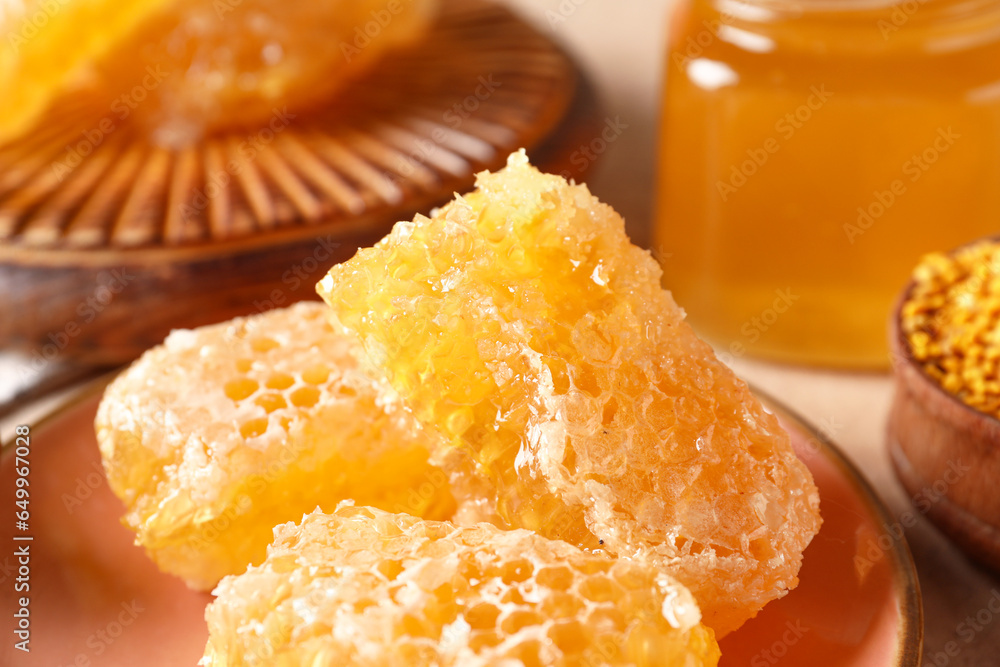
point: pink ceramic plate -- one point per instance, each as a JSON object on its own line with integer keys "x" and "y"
{"x": 97, "y": 600}
{"x": 858, "y": 600}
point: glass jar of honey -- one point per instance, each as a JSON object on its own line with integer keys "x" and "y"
{"x": 811, "y": 152}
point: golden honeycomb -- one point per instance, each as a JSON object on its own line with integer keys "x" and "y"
{"x": 187, "y": 67}
{"x": 249, "y": 63}
{"x": 365, "y": 587}
{"x": 521, "y": 323}
{"x": 48, "y": 45}
{"x": 223, "y": 432}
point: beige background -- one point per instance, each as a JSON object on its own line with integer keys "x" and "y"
{"x": 619, "y": 43}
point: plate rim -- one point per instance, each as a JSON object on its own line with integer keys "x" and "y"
{"x": 906, "y": 584}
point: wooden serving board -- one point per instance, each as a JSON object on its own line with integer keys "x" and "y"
{"x": 107, "y": 242}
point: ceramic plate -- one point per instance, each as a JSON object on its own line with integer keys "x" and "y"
{"x": 97, "y": 600}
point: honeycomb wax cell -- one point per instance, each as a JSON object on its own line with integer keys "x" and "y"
{"x": 521, "y": 323}
{"x": 203, "y": 65}
{"x": 364, "y": 587}
{"x": 223, "y": 432}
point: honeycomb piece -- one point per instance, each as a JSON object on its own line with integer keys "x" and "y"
{"x": 364, "y": 587}
{"x": 522, "y": 324}
{"x": 250, "y": 63}
{"x": 223, "y": 432}
{"x": 47, "y": 44}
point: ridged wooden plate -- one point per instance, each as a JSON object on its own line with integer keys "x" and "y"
{"x": 120, "y": 239}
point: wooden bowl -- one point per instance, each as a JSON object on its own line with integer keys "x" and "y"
{"x": 108, "y": 241}
{"x": 945, "y": 453}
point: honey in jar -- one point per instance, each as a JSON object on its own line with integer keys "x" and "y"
{"x": 811, "y": 152}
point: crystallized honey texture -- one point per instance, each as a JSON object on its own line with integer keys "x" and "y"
{"x": 364, "y": 587}
{"x": 223, "y": 432}
{"x": 521, "y": 323}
